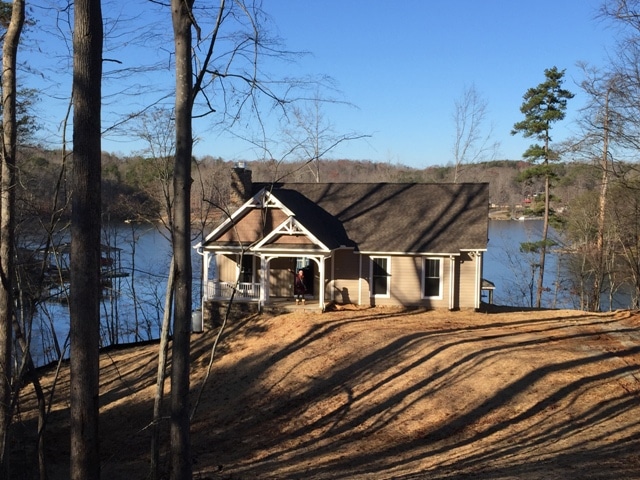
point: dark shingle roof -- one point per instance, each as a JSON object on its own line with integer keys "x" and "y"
{"x": 392, "y": 217}
{"x": 322, "y": 224}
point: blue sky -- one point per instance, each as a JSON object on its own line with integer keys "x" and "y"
{"x": 403, "y": 64}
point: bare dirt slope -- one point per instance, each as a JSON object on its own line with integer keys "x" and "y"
{"x": 379, "y": 393}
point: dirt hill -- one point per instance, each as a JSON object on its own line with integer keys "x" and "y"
{"x": 379, "y": 393}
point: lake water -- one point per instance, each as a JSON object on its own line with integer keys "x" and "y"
{"x": 132, "y": 310}
{"x": 513, "y": 272}
{"x": 515, "y": 278}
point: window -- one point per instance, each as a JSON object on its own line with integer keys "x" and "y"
{"x": 302, "y": 263}
{"x": 432, "y": 280}
{"x": 305, "y": 264}
{"x": 380, "y": 273}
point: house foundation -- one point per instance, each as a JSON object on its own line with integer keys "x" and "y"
{"x": 215, "y": 311}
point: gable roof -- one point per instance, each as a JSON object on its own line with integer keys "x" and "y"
{"x": 391, "y": 217}
{"x": 322, "y": 224}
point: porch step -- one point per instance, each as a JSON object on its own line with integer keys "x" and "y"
{"x": 289, "y": 306}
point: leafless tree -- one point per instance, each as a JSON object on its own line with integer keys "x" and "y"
{"x": 223, "y": 78}
{"x": 621, "y": 81}
{"x": 157, "y": 129}
{"x": 471, "y": 142}
{"x": 602, "y": 124}
{"x": 625, "y": 218}
{"x": 182, "y": 16}
{"x": 154, "y": 469}
{"x": 311, "y": 137}
{"x": 7, "y": 218}
{"x": 84, "y": 304}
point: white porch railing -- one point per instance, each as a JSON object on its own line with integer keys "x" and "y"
{"x": 245, "y": 291}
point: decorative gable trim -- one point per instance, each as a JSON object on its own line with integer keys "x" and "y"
{"x": 262, "y": 199}
{"x": 268, "y": 200}
{"x": 290, "y": 226}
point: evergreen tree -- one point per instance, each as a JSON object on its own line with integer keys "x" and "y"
{"x": 542, "y": 106}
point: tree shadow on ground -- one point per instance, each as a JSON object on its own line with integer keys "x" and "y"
{"x": 387, "y": 394}
{"x": 384, "y": 387}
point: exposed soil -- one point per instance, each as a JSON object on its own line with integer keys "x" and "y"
{"x": 380, "y": 393}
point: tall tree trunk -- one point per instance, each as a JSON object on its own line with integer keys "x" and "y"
{"x": 181, "y": 236}
{"x": 160, "y": 378}
{"x": 7, "y": 221}
{"x": 28, "y": 372}
{"x": 543, "y": 247}
{"x": 602, "y": 212}
{"x": 84, "y": 304}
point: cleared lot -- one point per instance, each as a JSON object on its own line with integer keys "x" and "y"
{"x": 379, "y": 393}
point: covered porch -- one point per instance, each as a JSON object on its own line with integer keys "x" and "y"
{"x": 264, "y": 278}
{"x": 253, "y": 256}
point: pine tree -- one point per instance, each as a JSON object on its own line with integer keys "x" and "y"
{"x": 542, "y": 106}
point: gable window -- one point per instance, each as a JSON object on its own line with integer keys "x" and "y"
{"x": 380, "y": 276}
{"x": 432, "y": 278}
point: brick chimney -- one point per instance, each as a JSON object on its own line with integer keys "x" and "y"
{"x": 241, "y": 184}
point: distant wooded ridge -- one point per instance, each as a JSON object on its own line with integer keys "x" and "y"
{"x": 135, "y": 187}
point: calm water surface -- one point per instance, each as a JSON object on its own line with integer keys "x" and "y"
{"x": 133, "y": 308}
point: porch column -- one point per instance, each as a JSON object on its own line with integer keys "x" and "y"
{"x": 206, "y": 258}
{"x": 321, "y": 269}
{"x": 478, "y": 293}
{"x": 452, "y": 282}
{"x": 360, "y": 279}
{"x": 264, "y": 280}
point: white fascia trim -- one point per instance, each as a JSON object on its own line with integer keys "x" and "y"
{"x": 270, "y": 200}
{"x": 415, "y": 254}
{"x": 289, "y": 227}
{"x": 262, "y": 199}
{"x": 225, "y": 250}
{"x": 288, "y": 252}
{"x": 254, "y": 202}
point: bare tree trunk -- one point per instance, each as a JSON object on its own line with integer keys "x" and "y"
{"x": 84, "y": 305}
{"x": 32, "y": 376}
{"x": 7, "y": 221}
{"x": 543, "y": 248}
{"x": 162, "y": 366}
{"x": 181, "y": 236}
{"x": 602, "y": 213}
{"x": 470, "y": 145}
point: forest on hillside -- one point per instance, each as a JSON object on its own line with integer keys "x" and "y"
{"x": 136, "y": 188}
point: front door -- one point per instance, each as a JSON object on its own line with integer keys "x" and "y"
{"x": 246, "y": 269}
{"x": 282, "y": 273}
{"x": 306, "y": 266}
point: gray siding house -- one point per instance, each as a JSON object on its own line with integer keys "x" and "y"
{"x": 400, "y": 244}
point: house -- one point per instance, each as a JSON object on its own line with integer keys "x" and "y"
{"x": 406, "y": 244}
